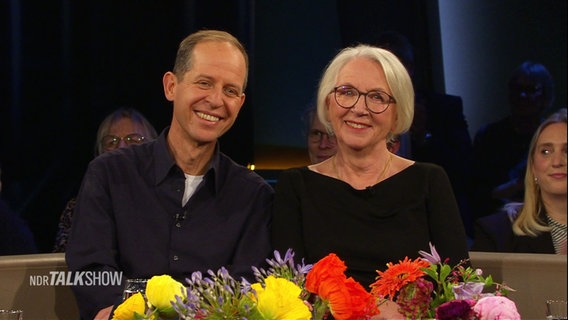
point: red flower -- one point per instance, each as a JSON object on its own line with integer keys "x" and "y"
{"x": 346, "y": 298}
{"x": 328, "y": 267}
{"x": 397, "y": 276}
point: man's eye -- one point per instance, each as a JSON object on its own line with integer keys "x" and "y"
{"x": 231, "y": 92}
{"x": 203, "y": 84}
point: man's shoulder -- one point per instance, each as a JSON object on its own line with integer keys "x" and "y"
{"x": 239, "y": 173}
{"x": 442, "y": 100}
{"x": 499, "y": 128}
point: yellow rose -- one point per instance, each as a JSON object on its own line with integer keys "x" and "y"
{"x": 126, "y": 310}
{"x": 280, "y": 299}
{"x": 161, "y": 290}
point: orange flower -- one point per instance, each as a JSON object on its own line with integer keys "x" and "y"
{"x": 346, "y": 298}
{"x": 355, "y": 302}
{"x": 397, "y": 276}
{"x": 328, "y": 267}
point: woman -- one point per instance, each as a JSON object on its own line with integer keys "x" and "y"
{"x": 539, "y": 224}
{"x": 121, "y": 128}
{"x": 366, "y": 204}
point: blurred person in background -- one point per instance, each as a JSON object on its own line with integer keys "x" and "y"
{"x": 15, "y": 235}
{"x": 121, "y": 128}
{"x": 500, "y": 148}
{"x": 321, "y": 144}
{"x": 537, "y": 225}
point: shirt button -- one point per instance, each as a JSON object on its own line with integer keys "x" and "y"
{"x": 178, "y": 225}
{"x": 176, "y": 258}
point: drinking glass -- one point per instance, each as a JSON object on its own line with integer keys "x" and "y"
{"x": 11, "y": 315}
{"x": 132, "y": 286}
{"x": 556, "y": 310}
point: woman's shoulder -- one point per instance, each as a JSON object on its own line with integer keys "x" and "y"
{"x": 416, "y": 168}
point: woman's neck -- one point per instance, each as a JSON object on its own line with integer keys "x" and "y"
{"x": 555, "y": 207}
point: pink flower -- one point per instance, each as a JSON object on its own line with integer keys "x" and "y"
{"x": 496, "y": 308}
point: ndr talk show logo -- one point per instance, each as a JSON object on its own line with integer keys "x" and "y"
{"x": 78, "y": 278}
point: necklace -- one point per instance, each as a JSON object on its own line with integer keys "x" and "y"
{"x": 381, "y": 176}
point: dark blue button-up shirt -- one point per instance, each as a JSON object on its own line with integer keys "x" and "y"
{"x": 129, "y": 218}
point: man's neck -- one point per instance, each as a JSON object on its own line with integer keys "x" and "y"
{"x": 192, "y": 157}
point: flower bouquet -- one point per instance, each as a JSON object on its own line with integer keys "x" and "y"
{"x": 428, "y": 287}
{"x": 423, "y": 288}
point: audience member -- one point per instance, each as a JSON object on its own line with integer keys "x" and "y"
{"x": 15, "y": 235}
{"x": 539, "y": 224}
{"x": 500, "y": 148}
{"x": 356, "y": 203}
{"x": 321, "y": 143}
{"x": 439, "y": 131}
{"x": 121, "y": 128}
{"x": 177, "y": 204}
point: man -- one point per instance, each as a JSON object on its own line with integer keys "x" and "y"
{"x": 177, "y": 204}
{"x": 321, "y": 144}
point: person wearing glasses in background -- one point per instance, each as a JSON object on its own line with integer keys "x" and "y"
{"x": 121, "y": 128}
{"x": 366, "y": 204}
{"x": 321, "y": 143}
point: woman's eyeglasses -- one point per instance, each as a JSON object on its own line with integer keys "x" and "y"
{"x": 376, "y": 101}
{"x": 110, "y": 141}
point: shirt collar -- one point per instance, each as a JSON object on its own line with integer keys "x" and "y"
{"x": 165, "y": 161}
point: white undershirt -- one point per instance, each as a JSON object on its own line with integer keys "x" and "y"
{"x": 191, "y": 183}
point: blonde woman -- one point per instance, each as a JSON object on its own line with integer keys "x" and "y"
{"x": 538, "y": 225}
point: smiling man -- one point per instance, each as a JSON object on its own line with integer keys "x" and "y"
{"x": 177, "y": 204}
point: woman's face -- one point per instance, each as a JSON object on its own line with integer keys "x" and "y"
{"x": 122, "y": 133}
{"x": 357, "y": 128}
{"x": 549, "y": 166}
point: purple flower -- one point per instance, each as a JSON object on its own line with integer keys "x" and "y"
{"x": 433, "y": 257}
{"x": 468, "y": 290}
{"x": 455, "y": 310}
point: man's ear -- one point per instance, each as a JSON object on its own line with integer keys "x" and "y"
{"x": 169, "y": 81}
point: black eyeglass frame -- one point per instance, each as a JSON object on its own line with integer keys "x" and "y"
{"x": 360, "y": 93}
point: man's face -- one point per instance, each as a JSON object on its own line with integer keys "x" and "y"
{"x": 321, "y": 145}
{"x": 208, "y": 97}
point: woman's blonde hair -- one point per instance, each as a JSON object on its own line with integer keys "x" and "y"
{"x": 397, "y": 77}
{"x": 530, "y": 221}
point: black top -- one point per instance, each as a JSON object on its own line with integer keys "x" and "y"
{"x": 500, "y": 155}
{"x": 494, "y": 233}
{"x": 129, "y": 217}
{"x": 15, "y": 235}
{"x": 315, "y": 215}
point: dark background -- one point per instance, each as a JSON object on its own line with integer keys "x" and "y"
{"x": 66, "y": 64}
